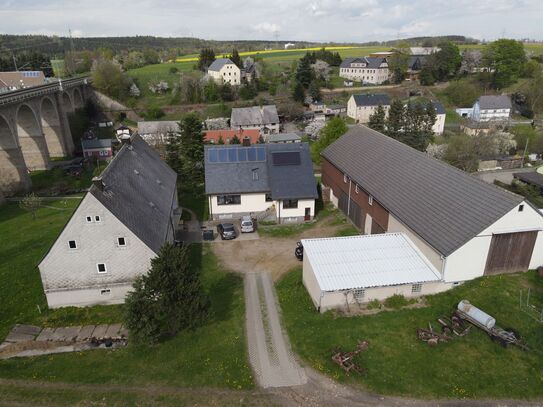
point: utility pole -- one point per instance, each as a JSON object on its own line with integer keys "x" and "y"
{"x": 14, "y": 60}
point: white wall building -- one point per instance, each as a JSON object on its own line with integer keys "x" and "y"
{"x": 223, "y": 70}
{"x": 492, "y": 108}
{"x": 368, "y": 70}
{"x": 270, "y": 180}
{"x": 128, "y": 214}
{"x": 361, "y": 107}
{"x": 264, "y": 118}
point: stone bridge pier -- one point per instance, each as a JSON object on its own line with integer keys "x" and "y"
{"x": 33, "y": 130}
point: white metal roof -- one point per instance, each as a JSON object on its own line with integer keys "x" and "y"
{"x": 343, "y": 263}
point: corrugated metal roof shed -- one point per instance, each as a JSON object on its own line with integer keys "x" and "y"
{"x": 344, "y": 263}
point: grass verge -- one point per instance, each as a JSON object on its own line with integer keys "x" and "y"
{"x": 398, "y": 363}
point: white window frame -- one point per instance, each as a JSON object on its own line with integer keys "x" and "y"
{"x": 75, "y": 243}
{"x": 356, "y": 190}
{"x": 416, "y": 288}
{"x": 345, "y": 178}
{"x": 98, "y": 268}
{"x": 97, "y": 218}
{"x": 88, "y": 218}
{"x": 370, "y": 199}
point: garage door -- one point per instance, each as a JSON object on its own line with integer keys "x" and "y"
{"x": 510, "y": 252}
{"x": 355, "y": 212}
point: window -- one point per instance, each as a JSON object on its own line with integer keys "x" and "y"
{"x": 356, "y": 189}
{"x": 228, "y": 199}
{"x": 370, "y": 200}
{"x": 521, "y": 207}
{"x": 290, "y": 204}
{"x": 121, "y": 241}
{"x": 89, "y": 219}
{"x": 105, "y": 291}
{"x": 269, "y": 198}
{"x": 416, "y": 288}
{"x": 101, "y": 267}
{"x": 359, "y": 294}
{"x": 72, "y": 244}
{"x": 97, "y": 218}
{"x": 345, "y": 178}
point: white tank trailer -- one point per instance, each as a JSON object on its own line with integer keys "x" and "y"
{"x": 480, "y": 316}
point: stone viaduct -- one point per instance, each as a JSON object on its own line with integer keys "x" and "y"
{"x": 34, "y": 128}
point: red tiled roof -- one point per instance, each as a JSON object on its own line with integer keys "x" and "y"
{"x": 212, "y": 136}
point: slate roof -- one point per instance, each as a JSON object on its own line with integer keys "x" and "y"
{"x": 255, "y": 115}
{"x": 495, "y": 102}
{"x": 445, "y": 206}
{"x": 96, "y": 143}
{"x": 139, "y": 191}
{"x": 158, "y": 127}
{"x": 283, "y": 182}
{"x": 282, "y": 137}
{"x": 438, "y": 106}
{"x": 372, "y": 99}
{"x": 371, "y": 62}
{"x": 219, "y": 63}
{"x": 532, "y": 178}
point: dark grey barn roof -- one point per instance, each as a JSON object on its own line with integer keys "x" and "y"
{"x": 139, "y": 191}
{"x": 254, "y": 115}
{"x": 495, "y": 102}
{"x": 371, "y": 62}
{"x": 445, "y": 206}
{"x": 283, "y": 182}
{"x": 372, "y": 99}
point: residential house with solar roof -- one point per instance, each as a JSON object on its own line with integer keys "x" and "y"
{"x": 265, "y": 181}
{"x": 223, "y": 70}
{"x": 129, "y": 212}
{"x": 464, "y": 226}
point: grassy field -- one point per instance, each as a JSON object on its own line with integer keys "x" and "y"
{"x": 213, "y": 355}
{"x": 398, "y": 363}
{"x": 56, "y": 181}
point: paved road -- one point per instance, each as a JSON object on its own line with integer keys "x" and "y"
{"x": 270, "y": 355}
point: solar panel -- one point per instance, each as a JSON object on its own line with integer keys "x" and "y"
{"x": 261, "y": 154}
{"x": 251, "y": 154}
{"x": 223, "y": 155}
{"x": 232, "y": 155}
{"x": 212, "y": 155}
{"x": 286, "y": 158}
{"x": 242, "y": 155}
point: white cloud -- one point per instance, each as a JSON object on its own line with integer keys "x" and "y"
{"x": 266, "y": 28}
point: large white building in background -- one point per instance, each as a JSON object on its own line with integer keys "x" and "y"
{"x": 463, "y": 226}
{"x": 368, "y": 70}
{"x": 223, "y": 70}
{"x": 129, "y": 212}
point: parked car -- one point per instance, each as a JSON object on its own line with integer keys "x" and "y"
{"x": 227, "y": 231}
{"x": 247, "y": 225}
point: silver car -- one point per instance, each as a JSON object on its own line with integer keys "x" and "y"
{"x": 247, "y": 225}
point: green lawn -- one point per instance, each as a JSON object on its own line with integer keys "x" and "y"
{"x": 56, "y": 181}
{"x": 398, "y": 363}
{"x": 212, "y": 356}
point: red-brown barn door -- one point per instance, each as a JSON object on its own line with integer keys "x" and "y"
{"x": 510, "y": 252}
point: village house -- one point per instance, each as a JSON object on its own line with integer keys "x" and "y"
{"x": 263, "y": 118}
{"x": 336, "y": 110}
{"x": 99, "y": 149}
{"x": 245, "y": 137}
{"x": 266, "y": 181}
{"x": 129, "y": 212}
{"x": 489, "y": 108}
{"x": 441, "y": 114}
{"x": 223, "y": 70}
{"x": 465, "y": 227}
{"x": 157, "y": 132}
{"x": 10, "y": 81}
{"x": 361, "y": 107}
{"x": 367, "y": 70}
{"x": 283, "y": 138}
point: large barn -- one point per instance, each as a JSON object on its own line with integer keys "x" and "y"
{"x": 464, "y": 226}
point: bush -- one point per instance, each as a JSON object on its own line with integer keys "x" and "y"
{"x": 374, "y": 304}
{"x": 398, "y": 301}
{"x": 461, "y": 93}
{"x": 174, "y": 69}
{"x": 153, "y": 113}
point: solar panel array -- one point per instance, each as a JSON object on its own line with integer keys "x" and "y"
{"x": 286, "y": 158}
{"x": 236, "y": 154}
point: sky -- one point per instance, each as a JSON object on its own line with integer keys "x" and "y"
{"x": 286, "y": 20}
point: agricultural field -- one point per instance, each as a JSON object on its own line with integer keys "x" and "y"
{"x": 398, "y": 363}
{"x": 213, "y": 355}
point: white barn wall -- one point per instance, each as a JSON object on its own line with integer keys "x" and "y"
{"x": 65, "y": 272}
{"x": 469, "y": 261}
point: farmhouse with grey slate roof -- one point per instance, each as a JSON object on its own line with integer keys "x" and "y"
{"x": 368, "y": 70}
{"x": 272, "y": 181}
{"x": 464, "y": 226}
{"x": 264, "y": 118}
{"x": 129, "y": 212}
{"x": 223, "y": 70}
{"x": 361, "y": 107}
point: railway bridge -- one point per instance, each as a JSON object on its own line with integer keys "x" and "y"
{"x": 34, "y": 128}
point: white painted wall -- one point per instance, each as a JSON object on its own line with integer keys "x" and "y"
{"x": 65, "y": 272}
{"x": 229, "y": 73}
{"x": 295, "y": 212}
{"x": 439, "y": 125}
{"x": 469, "y": 261}
{"x": 361, "y": 114}
{"x": 366, "y": 75}
{"x": 249, "y": 203}
{"x": 485, "y": 115}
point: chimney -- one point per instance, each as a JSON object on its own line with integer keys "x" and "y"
{"x": 98, "y": 183}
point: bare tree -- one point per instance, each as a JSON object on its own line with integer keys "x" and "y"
{"x": 31, "y": 203}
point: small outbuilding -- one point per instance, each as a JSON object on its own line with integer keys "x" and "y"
{"x": 97, "y": 148}
{"x": 340, "y": 271}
